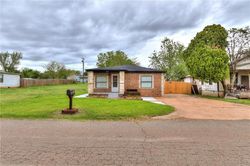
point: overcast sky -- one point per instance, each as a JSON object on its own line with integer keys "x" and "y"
{"x": 66, "y": 30}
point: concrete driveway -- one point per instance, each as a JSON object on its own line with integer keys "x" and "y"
{"x": 191, "y": 107}
{"x": 159, "y": 142}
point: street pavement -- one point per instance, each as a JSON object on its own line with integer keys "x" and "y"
{"x": 151, "y": 142}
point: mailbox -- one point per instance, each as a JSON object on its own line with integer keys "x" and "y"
{"x": 70, "y": 93}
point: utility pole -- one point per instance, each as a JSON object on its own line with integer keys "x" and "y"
{"x": 83, "y": 70}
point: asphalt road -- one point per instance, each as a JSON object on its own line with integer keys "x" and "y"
{"x": 166, "y": 142}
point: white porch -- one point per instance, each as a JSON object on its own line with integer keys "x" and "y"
{"x": 243, "y": 78}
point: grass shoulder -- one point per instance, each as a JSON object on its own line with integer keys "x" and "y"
{"x": 238, "y": 101}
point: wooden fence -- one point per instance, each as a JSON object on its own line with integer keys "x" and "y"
{"x": 26, "y": 82}
{"x": 176, "y": 87}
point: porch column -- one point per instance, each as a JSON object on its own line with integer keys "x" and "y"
{"x": 121, "y": 82}
{"x": 162, "y": 84}
{"x": 239, "y": 79}
{"x": 90, "y": 82}
{"x": 249, "y": 80}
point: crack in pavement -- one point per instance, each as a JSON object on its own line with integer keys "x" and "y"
{"x": 145, "y": 141}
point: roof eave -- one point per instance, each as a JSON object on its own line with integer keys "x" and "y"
{"x": 4, "y": 72}
{"x": 125, "y": 71}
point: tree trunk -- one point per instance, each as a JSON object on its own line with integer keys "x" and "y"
{"x": 233, "y": 76}
{"x": 225, "y": 90}
{"x": 232, "y": 81}
{"x": 218, "y": 88}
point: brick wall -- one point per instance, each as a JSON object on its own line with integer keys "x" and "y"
{"x": 132, "y": 82}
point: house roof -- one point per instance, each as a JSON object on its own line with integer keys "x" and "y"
{"x": 126, "y": 68}
{"x": 4, "y": 72}
{"x": 243, "y": 63}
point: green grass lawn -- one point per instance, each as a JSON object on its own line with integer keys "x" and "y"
{"x": 239, "y": 101}
{"x": 48, "y": 101}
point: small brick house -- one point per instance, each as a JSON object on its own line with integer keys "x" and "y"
{"x": 119, "y": 79}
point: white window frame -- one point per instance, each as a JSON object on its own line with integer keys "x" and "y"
{"x": 1, "y": 80}
{"x": 146, "y": 75}
{"x": 101, "y": 75}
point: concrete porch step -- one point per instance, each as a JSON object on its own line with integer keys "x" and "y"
{"x": 113, "y": 95}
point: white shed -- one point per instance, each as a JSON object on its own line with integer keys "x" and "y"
{"x": 9, "y": 80}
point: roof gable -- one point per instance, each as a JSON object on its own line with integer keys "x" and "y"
{"x": 243, "y": 64}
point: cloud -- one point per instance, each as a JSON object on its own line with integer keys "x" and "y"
{"x": 235, "y": 12}
{"x": 66, "y": 30}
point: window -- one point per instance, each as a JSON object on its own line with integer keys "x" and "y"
{"x": 146, "y": 81}
{"x": 101, "y": 82}
{"x": 1, "y": 78}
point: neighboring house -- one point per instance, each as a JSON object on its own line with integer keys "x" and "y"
{"x": 205, "y": 88}
{"x": 78, "y": 78}
{"x": 82, "y": 79}
{"x": 9, "y": 80}
{"x": 242, "y": 79}
{"x": 243, "y": 72}
{"x": 72, "y": 77}
{"x": 209, "y": 88}
{"x": 188, "y": 79}
{"x": 119, "y": 79}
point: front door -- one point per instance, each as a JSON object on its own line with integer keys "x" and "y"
{"x": 114, "y": 82}
{"x": 245, "y": 81}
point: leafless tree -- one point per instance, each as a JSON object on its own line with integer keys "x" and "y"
{"x": 9, "y": 61}
{"x": 238, "y": 48}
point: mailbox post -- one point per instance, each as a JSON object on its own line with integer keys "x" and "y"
{"x": 70, "y": 93}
